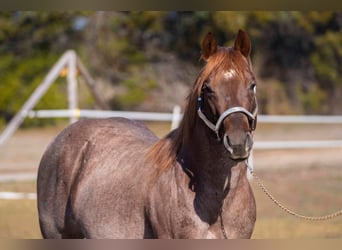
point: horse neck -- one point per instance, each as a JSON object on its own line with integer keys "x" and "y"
{"x": 207, "y": 159}
{"x": 214, "y": 176}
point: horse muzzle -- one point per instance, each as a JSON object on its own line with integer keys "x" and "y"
{"x": 238, "y": 143}
{"x": 238, "y": 149}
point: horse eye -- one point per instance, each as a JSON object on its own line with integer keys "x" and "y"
{"x": 253, "y": 87}
{"x": 207, "y": 89}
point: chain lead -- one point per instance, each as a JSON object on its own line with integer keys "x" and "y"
{"x": 222, "y": 226}
{"x": 311, "y": 218}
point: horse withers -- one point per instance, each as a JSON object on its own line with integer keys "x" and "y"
{"x": 113, "y": 178}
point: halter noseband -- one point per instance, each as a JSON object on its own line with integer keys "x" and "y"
{"x": 224, "y": 115}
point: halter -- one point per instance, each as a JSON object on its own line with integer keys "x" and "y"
{"x": 216, "y": 127}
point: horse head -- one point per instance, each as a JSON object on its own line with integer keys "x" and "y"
{"x": 227, "y": 94}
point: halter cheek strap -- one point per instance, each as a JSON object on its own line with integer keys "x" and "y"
{"x": 225, "y": 114}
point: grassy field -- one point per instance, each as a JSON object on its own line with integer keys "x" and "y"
{"x": 307, "y": 181}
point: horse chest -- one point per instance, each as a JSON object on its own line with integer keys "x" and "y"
{"x": 239, "y": 213}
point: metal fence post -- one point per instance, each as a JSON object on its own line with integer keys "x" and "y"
{"x": 72, "y": 86}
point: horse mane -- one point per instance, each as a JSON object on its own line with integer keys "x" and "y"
{"x": 163, "y": 154}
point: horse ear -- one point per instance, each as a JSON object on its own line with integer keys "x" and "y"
{"x": 209, "y": 46}
{"x": 243, "y": 43}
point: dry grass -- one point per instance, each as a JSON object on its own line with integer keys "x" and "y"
{"x": 314, "y": 193}
{"x": 307, "y": 181}
{"x": 19, "y": 218}
{"x": 311, "y": 192}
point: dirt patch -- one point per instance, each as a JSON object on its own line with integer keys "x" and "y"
{"x": 311, "y": 192}
{"x": 308, "y": 181}
{"x": 297, "y": 158}
{"x": 308, "y": 191}
{"x": 24, "y": 150}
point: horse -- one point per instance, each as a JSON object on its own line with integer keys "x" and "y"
{"x": 114, "y": 178}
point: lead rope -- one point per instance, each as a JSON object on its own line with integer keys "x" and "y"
{"x": 222, "y": 226}
{"x": 311, "y": 218}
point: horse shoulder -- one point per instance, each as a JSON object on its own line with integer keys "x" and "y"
{"x": 171, "y": 208}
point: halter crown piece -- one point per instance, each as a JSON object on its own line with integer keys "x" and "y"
{"x": 224, "y": 115}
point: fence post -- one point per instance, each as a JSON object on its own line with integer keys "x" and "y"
{"x": 72, "y": 86}
{"x": 92, "y": 85}
{"x": 176, "y": 117}
{"x": 34, "y": 98}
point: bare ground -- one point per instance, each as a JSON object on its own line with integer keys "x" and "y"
{"x": 308, "y": 181}
{"x": 23, "y": 151}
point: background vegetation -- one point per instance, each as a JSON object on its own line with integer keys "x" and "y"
{"x": 148, "y": 60}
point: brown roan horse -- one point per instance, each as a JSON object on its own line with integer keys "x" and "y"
{"x": 113, "y": 178}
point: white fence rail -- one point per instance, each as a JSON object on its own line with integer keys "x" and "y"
{"x": 17, "y": 196}
{"x": 307, "y": 119}
{"x": 78, "y": 113}
{"x": 298, "y": 144}
{"x": 176, "y": 116}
